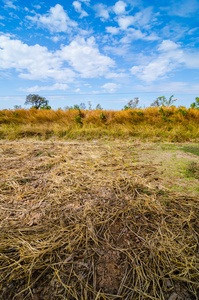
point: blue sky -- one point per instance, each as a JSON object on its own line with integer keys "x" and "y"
{"x": 104, "y": 52}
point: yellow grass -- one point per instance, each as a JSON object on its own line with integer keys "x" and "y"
{"x": 87, "y": 220}
{"x": 168, "y": 124}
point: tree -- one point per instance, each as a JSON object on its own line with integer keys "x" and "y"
{"x": 132, "y": 104}
{"x": 196, "y": 103}
{"x": 17, "y": 106}
{"x": 162, "y": 101}
{"x": 89, "y": 105}
{"x": 98, "y": 106}
{"x": 37, "y": 101}
{"x": 82, "y": 106}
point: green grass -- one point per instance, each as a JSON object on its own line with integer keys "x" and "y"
{"x": 191, "y": 149}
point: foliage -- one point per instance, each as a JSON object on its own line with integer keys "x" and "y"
{"x": 102, "y": 117}
{"x": 45, "y": 106}
{"x": 82, "y": 106}
{"x": 89, "y": 105}
{"x": 163, "y": 101}
{"x": 196, "y": 103}
{"x": 37, "y": 101}
{"x": 140, "y": 113}
{"x": 132, "y": 104}
{"x": 76, "y": 106}
{"x": 98, "y": 106}
{"x": 17, "y": 106}
{"x": 182, "y": 111}
{"x": 78, "y": 119}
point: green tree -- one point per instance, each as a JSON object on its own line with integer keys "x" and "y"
{"x": 17, "y": 106}
{"x": 132, "y": 104}
{"x": 98, "y": 106}
{"x": 37, "y": 101}
{"x": 163, "y": 101}
{"x": 82, "y": 106}
{"x": 196, "y": 103}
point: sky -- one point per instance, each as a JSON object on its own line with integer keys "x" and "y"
{"x": 105, "y": 52}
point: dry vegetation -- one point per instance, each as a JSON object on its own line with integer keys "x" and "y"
{"x": 94, "y": 220}
{"x": 157, "y": 124}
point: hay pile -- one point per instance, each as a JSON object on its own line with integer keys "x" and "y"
{"x": 79, "y": 222}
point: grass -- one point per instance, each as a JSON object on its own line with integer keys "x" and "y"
{"x": 191, "y": 149}
{"x": 166, "y": 124}
{"x": 94, "y": 220}
{"x": 193, "y": 169}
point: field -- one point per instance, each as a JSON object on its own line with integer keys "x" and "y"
{"x": 168, "y": 124}
{"x": 99, "y": 218}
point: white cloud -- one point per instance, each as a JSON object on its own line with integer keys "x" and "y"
{"x": 170, "y": 58}
{"x": 78, "y": 7}
{"x": 168, "y": 45}
{"x": 85, "y": 58}
{"x": 125, "y": 22}
{"x": 56, "y": 20}
{"x": 182, "y": 8}
{"x": 102, "y": 11}
{"x": 9, "y": 4}
{"x": 54, "y": 87}
{"x": 119, "y": 7}
{"x": 37, "y": 6}
{"x": 32, "y": 62}
{"x": 112, "y": 30}
{"x": 82, "y": 57}
{"x": 121, "y": 50}
{"x": 110, "y": 87}
{"x": 136, "y": 34}
{"x": 143, "y": 19}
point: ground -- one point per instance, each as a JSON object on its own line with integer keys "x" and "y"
{"x": 99, "y": 219}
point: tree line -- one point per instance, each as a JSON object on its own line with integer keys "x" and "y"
{"x": 39, "y": 102}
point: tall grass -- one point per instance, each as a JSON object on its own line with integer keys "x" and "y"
{"x": 168, "y": 123}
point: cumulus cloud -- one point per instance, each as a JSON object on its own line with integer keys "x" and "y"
{"x": 110, "y": 87}
{"x": 142, "y": 19}
{"x": 168, "y": 45}
{"x": 119, "y": 7}
{"x": 54, "y": 87}
{"x": 112, "y": 30}
{"x": 125, "y": 22}
{"x": 32, "y": 62}
{"x": 169, "y": 58}
{"x": 56, "y": 20}
{"x": 78, "y": 7}
{"x": 85, "y": 58}
{"x": 82, "y": 57}
{"x": 102, "y": 11}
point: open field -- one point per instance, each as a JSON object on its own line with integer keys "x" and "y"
{"x": 168, "y": 124}
{"x": 99, "y": 219}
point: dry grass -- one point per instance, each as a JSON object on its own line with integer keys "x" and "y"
{"x": 83, "y": 220}
{"x": 167, "y": 124}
